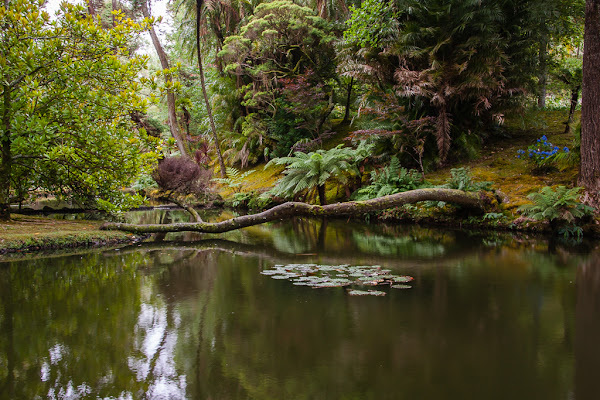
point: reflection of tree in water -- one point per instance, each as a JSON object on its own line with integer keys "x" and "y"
{"x": 190, "y": 319}
{"x": 67, "y": 321}
{"x": 458, "y": 334}
{"x": 405, "y": 246}
{"x": 587, "y": 330}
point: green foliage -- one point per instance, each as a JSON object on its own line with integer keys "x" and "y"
{"x": 283, "y": 63}
{"x": 461, "y": 179}
{"x": 144, "y": 182}
{"x": 391, "y": 179}
{"x": 69, "y": 90}
{"x": 307, "y": 171}
{"x": 235, "y": 178}
{"x": 556, "y": 204}
{"x": 370, "y": 23}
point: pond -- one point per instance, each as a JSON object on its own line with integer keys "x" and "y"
{"x": 190, "y": 316}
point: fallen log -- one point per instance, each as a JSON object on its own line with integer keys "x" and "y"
{"x": 476, "y": 200}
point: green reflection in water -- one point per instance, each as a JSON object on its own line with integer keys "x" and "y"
{"x": 197, "y": 320}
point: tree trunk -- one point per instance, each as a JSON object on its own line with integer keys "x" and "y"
{"x": 164, "y": 63}
{"x": 543, "y": 73}
{"x": 574, "y": 101}
{"x": 589, "y": 169}
{"x": 348, "y": 97}
{"x": 203, "y": 84}
{"x": 478, "y": 201}
{"x": 6, "y": 164}
{"x": 322, "y": 197}
{"x": 115, "y": 7}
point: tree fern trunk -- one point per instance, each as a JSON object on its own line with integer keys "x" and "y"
{"x": 321, "y": 191}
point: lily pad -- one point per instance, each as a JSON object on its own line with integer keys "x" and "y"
{"x": 355, "y": 292}
{"x": 329, "y": 276}
{"x": 401, "y": 286}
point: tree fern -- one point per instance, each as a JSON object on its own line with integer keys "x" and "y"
{"x": 306, "y": 171}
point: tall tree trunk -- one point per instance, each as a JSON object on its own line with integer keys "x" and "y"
{"x": 92, "y": 8}
{"x": 203, "y": 84}
{"x": 543, "y": 73}
{"x": 574, "y": 101}
{"x": 348, "y": 97}
{"x": 589, "y": 169}
{"x": 6, "y": 164}
{"x": 164, "y": 63}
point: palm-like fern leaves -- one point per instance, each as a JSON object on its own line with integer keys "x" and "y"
{"x": 306, "y": 171}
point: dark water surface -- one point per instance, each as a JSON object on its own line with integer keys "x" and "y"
{"x": 489, "y": 316}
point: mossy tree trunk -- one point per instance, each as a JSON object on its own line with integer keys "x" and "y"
{"x": 479, "y": 201}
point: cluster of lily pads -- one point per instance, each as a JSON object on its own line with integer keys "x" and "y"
{"x": 329, "y": 276}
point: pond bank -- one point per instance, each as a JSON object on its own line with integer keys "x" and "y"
{"x": 33, "y": 233}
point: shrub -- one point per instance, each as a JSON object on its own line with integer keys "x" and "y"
{"x": 560, "y": 204}
{"x": 181, "y": 174}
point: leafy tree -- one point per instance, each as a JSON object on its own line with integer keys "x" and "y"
{"x": 69, "y": 88}
{"x": 445, "y": 59}
{"x": 309, "y": 171}
{"x": 283, "y": 45}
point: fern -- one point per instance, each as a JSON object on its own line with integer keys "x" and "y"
{"x": 461, "y": 179}
{"x": 390, "y": 180}
{"x": 556, "y": 204}
{"x": 235, "y": 178}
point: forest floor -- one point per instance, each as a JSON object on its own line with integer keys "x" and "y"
{"x": 496, "y": 161}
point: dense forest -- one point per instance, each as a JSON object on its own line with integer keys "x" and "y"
{"x": 403, "y": 86}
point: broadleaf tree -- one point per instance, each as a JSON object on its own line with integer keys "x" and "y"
{"x": 68, "y": 90}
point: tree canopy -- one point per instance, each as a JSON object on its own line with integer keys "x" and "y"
{"x": 69, "y": 88}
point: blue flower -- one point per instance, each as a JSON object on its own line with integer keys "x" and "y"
{"x": 566, "y": 149}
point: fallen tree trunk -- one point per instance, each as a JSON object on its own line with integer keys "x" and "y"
{"x": 475, "y": 200}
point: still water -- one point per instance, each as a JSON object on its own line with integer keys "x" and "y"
{"x": 488, "y": 316}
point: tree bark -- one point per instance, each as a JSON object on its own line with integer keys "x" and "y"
{"x": 115, "y": 7}
{"x": 322, "y": 196}
{"x": 589, "y": 169}
{"x": 203, "y": 84}
{"x": 164, "y": 63}
{"x": 348, "y": 98}
{"x": 478, "y": 201}
{"x": 6, "y": 153}
{"x": 574, "y": 101}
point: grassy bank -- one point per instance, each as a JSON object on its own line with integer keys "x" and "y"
{"x": 32, "y": 233}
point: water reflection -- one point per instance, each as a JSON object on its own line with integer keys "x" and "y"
{"x": 489, "y": 317}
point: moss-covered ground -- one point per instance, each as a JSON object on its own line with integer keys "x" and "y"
{"x": 496, "y": 161}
